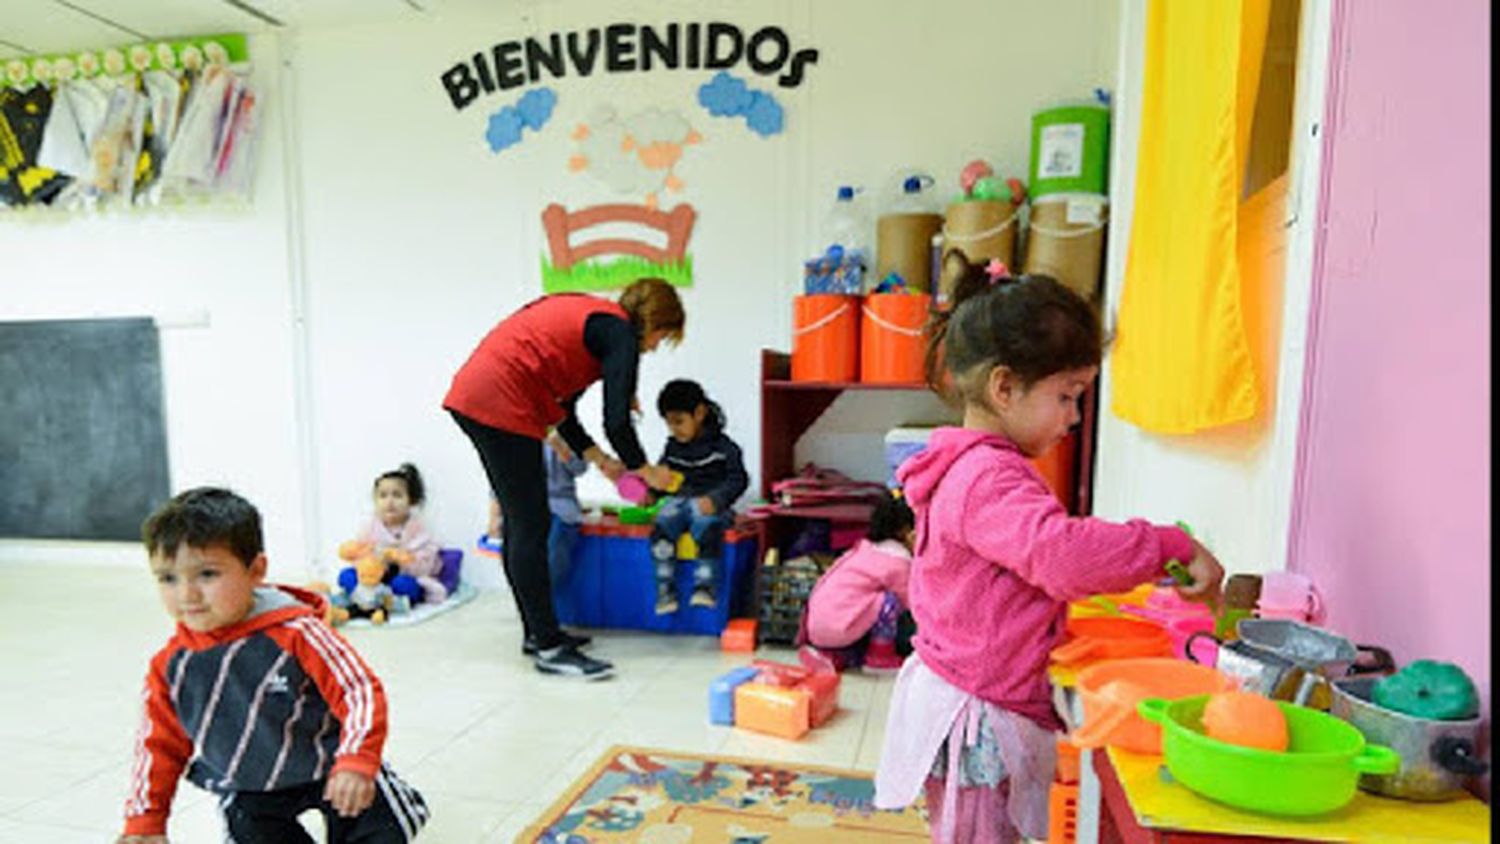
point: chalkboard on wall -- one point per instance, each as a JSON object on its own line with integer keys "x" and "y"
{"x": 83, "y": 444}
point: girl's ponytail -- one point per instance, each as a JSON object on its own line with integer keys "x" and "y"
{"x": 970, "y": 281}
{"x": 414, "y": 487}
{"x": 407, "y": 473}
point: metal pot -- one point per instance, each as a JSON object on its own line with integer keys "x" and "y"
{"x": 1287, "y": 660}
{"x": 1436, "y": 756}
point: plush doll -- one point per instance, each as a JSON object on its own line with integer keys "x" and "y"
{"x": 408, "y": 590}
{"x": 370, "y": 598}
{"x": 333, "y": 614}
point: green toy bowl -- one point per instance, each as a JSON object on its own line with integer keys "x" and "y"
{"x": 1317, "y": 774}
{"x": 638, "y": 515}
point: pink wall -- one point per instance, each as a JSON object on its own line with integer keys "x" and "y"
{"x": 1391, "y": 509}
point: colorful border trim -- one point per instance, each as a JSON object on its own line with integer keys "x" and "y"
{"x": 191, "y": 53}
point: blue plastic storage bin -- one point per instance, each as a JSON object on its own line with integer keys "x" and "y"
{"x": 613, "y": 584}
{"x": 721, "y": 694}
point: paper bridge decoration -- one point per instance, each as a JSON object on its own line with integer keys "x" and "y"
{"x": 570, "y": 268}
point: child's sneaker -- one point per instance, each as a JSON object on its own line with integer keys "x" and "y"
{"x": 881, "y": 657}
{"x": 703, "y": 596}
{"x": 666, "y": 601}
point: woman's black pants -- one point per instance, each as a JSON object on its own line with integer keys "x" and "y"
{"x": 518, "y": 477}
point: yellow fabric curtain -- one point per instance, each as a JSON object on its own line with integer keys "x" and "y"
{"x": 1181, "y": 362}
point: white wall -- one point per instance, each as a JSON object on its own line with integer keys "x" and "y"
{"x": 386, "y": 238}
{"x": 1233, "y": 485}
{"x": 216, "y": 279}
{"x": 419, "y": 238}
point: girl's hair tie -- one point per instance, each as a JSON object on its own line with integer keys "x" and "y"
{"x": 997, "y": 271}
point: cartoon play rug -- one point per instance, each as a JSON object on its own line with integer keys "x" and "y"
{"x": 664, "y": 797}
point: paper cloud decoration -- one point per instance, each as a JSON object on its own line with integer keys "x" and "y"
{"x": 726, "y": 96}
{"x": 532, "y": 112}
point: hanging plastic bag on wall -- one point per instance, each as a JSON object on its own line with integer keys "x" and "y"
{"x": 189, "y": 165}
{"x": 111, "y": 149}
{"x": 163, "y": 94}
{"x": 236, "y": 161}
{"x": 23, "y": 121}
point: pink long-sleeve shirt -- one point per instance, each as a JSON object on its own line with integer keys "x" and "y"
{"x": 997, "y": 560}
{"x": 411, "y": 536}
{"x": 846, "y": 601}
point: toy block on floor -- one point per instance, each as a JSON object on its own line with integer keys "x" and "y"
{"x": 738, "y": 635}
{"x": 824, "y": 691}
{"x": 776, "y": 710}
{"x": 721, "y": 694}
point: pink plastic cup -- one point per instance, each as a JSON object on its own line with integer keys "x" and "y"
{"x": 1205, "y": 650}
{"x": 632, "y": 488}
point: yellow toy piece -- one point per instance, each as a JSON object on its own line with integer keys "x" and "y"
{"x": 354, "y": 549}
{"x": 687, "y": 549}
{"x": 399, "y": 556}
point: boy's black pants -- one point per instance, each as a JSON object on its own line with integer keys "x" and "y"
{"x": 270, "y": 817}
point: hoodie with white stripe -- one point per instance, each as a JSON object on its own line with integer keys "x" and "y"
{"x": 275, "y": 701}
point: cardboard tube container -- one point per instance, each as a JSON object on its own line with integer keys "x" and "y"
{"x": 1066, "y": 240}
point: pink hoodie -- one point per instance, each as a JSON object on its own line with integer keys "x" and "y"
{"x": 846, "y": 600}
{"x": 998, "y": 558}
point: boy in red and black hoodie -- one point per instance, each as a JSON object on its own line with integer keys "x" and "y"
{"x": 255, "y": 698}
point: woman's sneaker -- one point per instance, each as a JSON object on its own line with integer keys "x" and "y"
{"x": 529, "y": 647}
{"x": 703, "y": 596}
{"x": 566, "y": 661}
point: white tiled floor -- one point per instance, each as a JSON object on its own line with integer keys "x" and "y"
{"x": 487, "y": 740}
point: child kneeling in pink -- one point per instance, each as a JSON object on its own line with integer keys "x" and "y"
{"x": 857, "y": 612}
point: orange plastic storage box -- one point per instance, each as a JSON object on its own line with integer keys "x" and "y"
{"x": 776, "y": 710}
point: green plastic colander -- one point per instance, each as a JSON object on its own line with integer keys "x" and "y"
{"x": 1318, "y": 773}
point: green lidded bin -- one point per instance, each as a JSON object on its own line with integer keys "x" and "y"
{"x": 1070, "y": 149}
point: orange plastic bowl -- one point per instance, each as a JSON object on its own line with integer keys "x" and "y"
{"x": 1092, "y": 639}
{"x": 1161, "y": 678}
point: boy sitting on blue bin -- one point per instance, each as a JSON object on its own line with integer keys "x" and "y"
{"x": 713, "y": 478}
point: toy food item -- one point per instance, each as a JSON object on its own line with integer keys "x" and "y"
{"x": 1245, "y": 719}
{"x": 1440, "y": 691}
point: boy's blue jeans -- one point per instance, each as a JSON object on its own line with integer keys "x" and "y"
{"x": 676, "y": 517}
{"x": 562, "y": 538}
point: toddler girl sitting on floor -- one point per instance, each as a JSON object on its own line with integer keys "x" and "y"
{"x": 856, "y": 614}
{"x": 396, "y": 535}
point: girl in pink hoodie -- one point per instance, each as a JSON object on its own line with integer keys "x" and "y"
{"x": 997, "y": 559}
{"x": 858, "y": 608}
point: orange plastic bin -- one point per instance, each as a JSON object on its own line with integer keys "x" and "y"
{"x": 893, "y": 338}
{"x": 825, "y": 338}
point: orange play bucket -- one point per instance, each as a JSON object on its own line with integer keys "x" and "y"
{"x": 893, "y": 338}
{"x": 825, "y": 338}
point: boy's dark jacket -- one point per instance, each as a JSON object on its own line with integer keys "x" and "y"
{"x": 711, "y": 465}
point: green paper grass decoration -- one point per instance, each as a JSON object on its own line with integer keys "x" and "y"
{"x": 592, "y": 276}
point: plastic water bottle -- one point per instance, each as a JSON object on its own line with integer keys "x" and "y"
{"x": 916, "y": 195}
{"x": 843, "y": 248}
{"x": 847, "y": 225}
